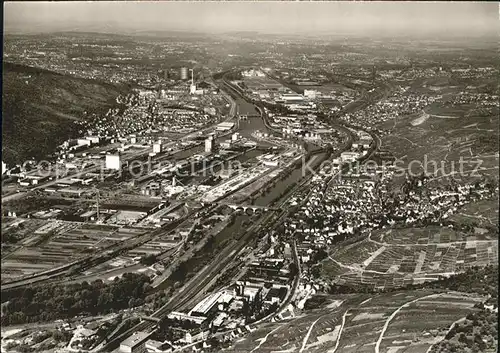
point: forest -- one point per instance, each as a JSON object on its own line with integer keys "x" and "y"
{"x": 53, "y": 302}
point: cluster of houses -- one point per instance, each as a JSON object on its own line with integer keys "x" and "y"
{"x": 400, "y": 103}
{"x": 362, "y": 201}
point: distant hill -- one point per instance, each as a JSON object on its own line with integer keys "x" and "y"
{"x": 39, "y": 107}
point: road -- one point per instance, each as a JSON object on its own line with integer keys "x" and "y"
{"x": 129, "y": 156}
{"x": 306, "y": 337}
{"x": 52, "y": 273}
{"x": 264, "y": 339}
{"x": 198, "y": 283}
{"x": 450, "y": 243}
{"x": 447, "y": 332}
{"x": 92, "y": 169}
{"x": 93, "y": 260}
{"x": 389, "y": 319}
{"x": 340, "y": 332}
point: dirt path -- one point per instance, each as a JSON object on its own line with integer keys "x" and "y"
{"x": 389, "y": 319}
{"x": 340, "y": 331}
{"x": 306, "y": 337}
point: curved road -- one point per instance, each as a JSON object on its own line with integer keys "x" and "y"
{"x": 389, "y": 319}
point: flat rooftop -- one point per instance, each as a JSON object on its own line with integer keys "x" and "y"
{"x": 135, "y": 339}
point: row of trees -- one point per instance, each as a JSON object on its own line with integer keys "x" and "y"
{"x": 481, "y": 280}
{"x": 52, "y": 302}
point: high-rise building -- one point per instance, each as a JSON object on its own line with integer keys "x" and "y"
{"x": 113, "y": 161}
{"x": 192, "y": 88}
{"x": 209, "y": 144}
{"x": 184, "y": 73}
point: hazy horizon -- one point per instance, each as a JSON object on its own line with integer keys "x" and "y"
{"x": 361, "y": 18}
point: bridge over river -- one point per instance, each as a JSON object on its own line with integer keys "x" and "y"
{"x": 244, "y": 208}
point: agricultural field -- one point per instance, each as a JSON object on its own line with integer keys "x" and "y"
{"x": 17, "y": 232}
{"x": 396, "y": 257}
{"x": 445, "y": 135}
{"x": 55, "y": 243}
{"x": 407, "y": 321}
{"x": 483, "y": 213}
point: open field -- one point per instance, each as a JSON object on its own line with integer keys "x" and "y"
{"x": 410, "y": 320}
{"x": 56, "y": 243}
{"x": 397, "y": 257}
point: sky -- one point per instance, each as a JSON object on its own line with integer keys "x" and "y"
{"x": 262, "y": 16}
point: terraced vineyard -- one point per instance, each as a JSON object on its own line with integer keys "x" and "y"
{"x": 398, "y": 257}
{"x": 406, "y": 321}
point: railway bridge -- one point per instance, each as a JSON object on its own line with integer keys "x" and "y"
{"x": 150, "y": 318}
{"x": 247, "y": 209}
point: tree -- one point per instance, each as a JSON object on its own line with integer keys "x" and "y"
{"x": 293, "y": 270}
{"x": 51, "y": 302}
{"x": 58, "y": 336}
{"x": 148, "y": 260}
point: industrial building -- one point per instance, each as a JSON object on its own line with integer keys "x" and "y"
{"x": 311, "y": 94}
{"x": 157, "y": 148}
{"x": 135, "y": 343}
{"x": 226, "y": 144}
{"x": 113, "y": 162}
{"x": 365, "y": 141}
{"x": 208, "y": 304}
{"x": 157, "y": 346}
{"x": 225, "y": 126}
{"x": 292, "y": 97}
{"x": 186, "y": 317}
{"x": 349, "y": 156}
